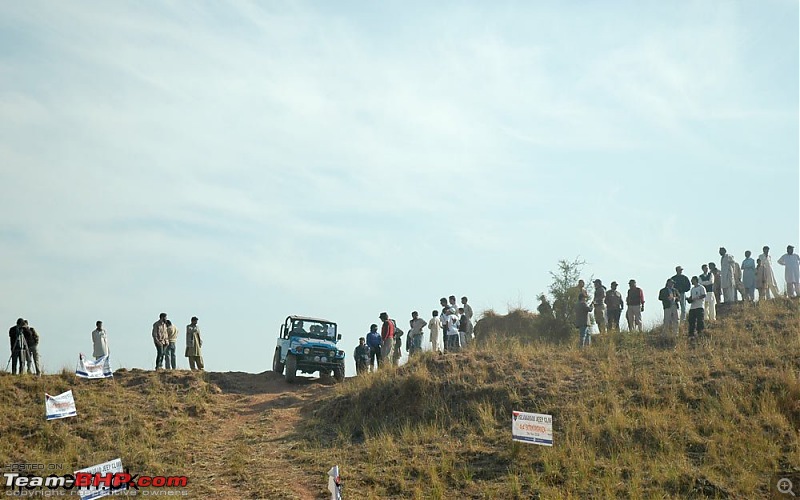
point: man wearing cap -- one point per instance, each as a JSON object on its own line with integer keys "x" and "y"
{"x": 682, "y": 285}
{"x": 193, "y": 345}
{"x": 599, "y": 305}
{"x": 635, "y": 302}
{"x": 669, "y": 296}
{"x": 614, "y": 305}
{"x": 792, "y": 263}
{"x": 726, "y": 276}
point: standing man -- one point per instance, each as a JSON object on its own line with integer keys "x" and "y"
{"x": 582, "y": 311}
{"x": 362, "y": 355}
{"x": 169, "y": 350}
{"x": 415, "y": 332}
{"x": 599, "y": 305}
{"x": 374, "y": 342}
{"x": 761, "y": 280}
{"x": 435, "y": 327}
{"x": 464, "y": 327}
{"x": 697, "y": 297}
{"x": 387, "y": 337}
{"x": 792, "y": 263}
{"x": 614, "y": 305}
{"x": 193, "y": 346}
{"x": 635, "y": 302}
{"x": 99, "y": 341}
{"x": 682, "y": 285}
{"x": 726, "y": 276}
{"x": 160, "y": 338}
{"x": 669, "y": 297}
{"x": 769, "y": 275}
{"x": 717, "y": 282}
{"x": 19, "y": 349}
{"x": 32, "y": 339}
{"x": 710, "y": 303}
{"x": 467, "y": 308}
{"x": 749, "y": 276}
{"x": 450, "y": 325}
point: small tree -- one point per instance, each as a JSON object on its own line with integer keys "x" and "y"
{"x": 564, "y": 290}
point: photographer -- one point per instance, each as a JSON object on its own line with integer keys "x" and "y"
{"x": 32, "y": 341}
{"x": 16, "y": 337}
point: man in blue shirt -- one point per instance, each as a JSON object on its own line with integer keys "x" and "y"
{"x": 374, "y": 342}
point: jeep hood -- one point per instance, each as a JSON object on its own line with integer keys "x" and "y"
{"x": 311, "y": 343}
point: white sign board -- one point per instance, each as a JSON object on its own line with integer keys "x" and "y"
{"x": 535, "y": 428}
{"x": 61, "y": 406}
{"x": 94, "y": 368}
{"x": 110, "y": 467}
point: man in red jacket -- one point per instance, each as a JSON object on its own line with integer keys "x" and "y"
{"x": 387, "y": 336}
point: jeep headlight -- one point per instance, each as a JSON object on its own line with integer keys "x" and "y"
{"x": 306, "y": 351}
{"x": 333, "y": 354}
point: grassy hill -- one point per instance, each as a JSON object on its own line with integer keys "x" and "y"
{"x": 636, "y": 415}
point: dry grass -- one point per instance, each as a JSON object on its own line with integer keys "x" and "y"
{"x": 637, "y": 415}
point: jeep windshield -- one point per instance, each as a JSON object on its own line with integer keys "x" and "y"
{"x": 313, "y": 329}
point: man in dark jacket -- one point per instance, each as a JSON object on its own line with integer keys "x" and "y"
{"x": 682, "y": 284}
{"x": 362, "y": 355}
{"x": 16, "y": 338}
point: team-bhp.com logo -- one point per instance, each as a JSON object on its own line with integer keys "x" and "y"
{"x": 96, "y": 481}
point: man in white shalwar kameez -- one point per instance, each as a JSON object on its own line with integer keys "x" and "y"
{"x": 792, "y": 263}
{"x": 769, "y": 276}
{"x": 726, "y": 272}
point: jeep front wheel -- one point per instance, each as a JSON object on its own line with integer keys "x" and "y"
{"x": 291, "y": 367}
{"x": 277, "y": 366}
{"x": 338, "y": 373}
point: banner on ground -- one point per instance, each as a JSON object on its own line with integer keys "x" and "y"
{"x": 61, "y": 406}
{"x": 535, "y": 428}
{"x": 110, "y": 467}
{"x": 97, "y": 368}
{"x": 335, "y": 483}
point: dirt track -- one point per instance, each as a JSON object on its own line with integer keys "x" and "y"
{"x": 244, "y": 453}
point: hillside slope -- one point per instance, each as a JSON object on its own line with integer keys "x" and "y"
{"x": 634, "y": 416}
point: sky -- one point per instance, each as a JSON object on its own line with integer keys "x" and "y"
{"x": 244, "y": 161}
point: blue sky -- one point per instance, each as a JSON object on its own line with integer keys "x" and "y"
{"x": 246, "y": 161}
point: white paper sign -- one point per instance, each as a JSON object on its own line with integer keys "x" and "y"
{"x": 110, "y": 467}
{"x": 535, "y": 428}
{"x": 94, "y": 368}
{"x": 61, "y": 406}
